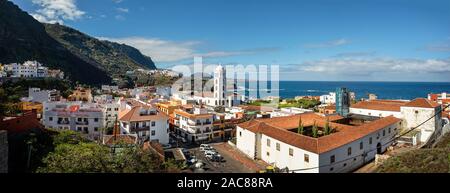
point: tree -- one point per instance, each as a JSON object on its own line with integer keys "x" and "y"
{"x": 315, "y": 130}
{"x": 78, "y": 158}
{"x": 327, "y": 129}
{"x": 300, "y": 126}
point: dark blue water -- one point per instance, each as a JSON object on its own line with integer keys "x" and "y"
{"x": 384, "y": 90}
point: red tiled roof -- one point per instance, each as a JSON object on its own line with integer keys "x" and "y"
{"x": 279, "y": 127}
{"x": 134, "y": 115}
{"x": 423, "y": 103}
{"x": 382, "y": 105}
{"x": 127, "y": 139}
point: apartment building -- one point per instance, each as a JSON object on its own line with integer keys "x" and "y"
{"x": 194, "y": 123}
{"x": 145, "y": 121}
{"x": 88, "y": 118}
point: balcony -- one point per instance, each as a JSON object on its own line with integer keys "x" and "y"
{"x": 82, "y": 122}
{"x": 63, "y": 122}
{"x": 138, "y": 129}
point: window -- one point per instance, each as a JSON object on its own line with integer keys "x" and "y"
{"x": 268, "y": 142}
{"x": 79, "y": 128}
{"x": 291, "y": 152}
{"x": 349, "y": 151}
{"x": 306, "y": 158}
{"x": 332, "y": 159}
{"x": 384, "y": 132}
{"x": 80, "y": 119}
{"x": 417, "y": 112}
{"x": 370, "y": 141}
{"x": 268, "y": 154}
{"x": 167, "y": 130}
{"x": 389, "y": 131}
{"x": 96, "y": 129}
{"x": 331, "y": 169}
{"x": 153, "y": 123}
{"x": 278, "y": 147}
{"x": 240, "y": 133}
{"x": 153, "y": 132}
{"x": 361, "y": 145}
{"x": 345, "y": 164}
{"x": 96, "y": 120}
{"x": 50, "y": 118}
{"x": 378, "y": 135}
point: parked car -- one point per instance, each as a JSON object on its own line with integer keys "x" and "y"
{"x": 199, "y": 164}
{"x": 217, "y": 158}
{"x": 192, "y": 160}
{"x": 210, "y": 154}
{"x": 207, "y": 148}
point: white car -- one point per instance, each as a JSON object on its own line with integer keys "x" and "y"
{"x": 210, "y": 154}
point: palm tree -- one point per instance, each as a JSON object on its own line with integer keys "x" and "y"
{"x": 300, "y": 126}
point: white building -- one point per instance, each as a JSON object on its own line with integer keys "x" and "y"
{"x": 195, "y": 124}
{"x": 110, "y": 89}
{"x": 145, "y": 121}
{"x": 277, "y": 142}
{"x": 88, "y": 118}
{"x": 29, "y": 69}
{"x": 41, "y": 96}
{"x": 111, "y": 107}
{"x": 284, "y": 112}
{"x": 412, "y": 114}
{"x": 220, "y": 96}
{"x": 329, "y": 98}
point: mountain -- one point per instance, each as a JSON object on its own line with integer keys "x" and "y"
{"x": 81, "y": 57}
{"x": 113, "y": 58}
{"x": 23, "y": 38}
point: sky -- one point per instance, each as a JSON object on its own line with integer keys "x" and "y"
{"x": 353, "y": 40}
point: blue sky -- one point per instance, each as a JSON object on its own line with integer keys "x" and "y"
{"x": 390, "y": 40}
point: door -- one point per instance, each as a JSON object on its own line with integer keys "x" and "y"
{"x": 379, "y": 148}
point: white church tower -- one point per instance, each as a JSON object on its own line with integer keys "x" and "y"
{"x": 220, "y": 86}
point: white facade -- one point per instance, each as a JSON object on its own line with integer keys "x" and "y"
{"x": 284, "y": 112}
{"x": 414, "y": 116}
{"x": 144, "y": 121}
{"x": 345, "y": 158}
{"x": 108, "y": 88}
{"x": 41, "y": 96}
{"x": 29, "y": 69}
{"x": 194, "y": 126}
{"x": 375, "y": 113}
{"x": 411, "y": 117}
{"x": 329, "y": 98}
{"x": 87, "y": 118}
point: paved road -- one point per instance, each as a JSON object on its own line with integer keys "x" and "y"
{"x": 235, "y": 162}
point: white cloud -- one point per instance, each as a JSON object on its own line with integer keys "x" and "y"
{"x": 172, "y": 51}
{"x": 120, "y": 17}
{"x": 53, "y": 11}
{"x": 122, "y": 10}
{"x": 117, "y": 1}
{"x": 333, "y": 43}
{"x": 159, "y": 50}
{"x": 358, "y": 66}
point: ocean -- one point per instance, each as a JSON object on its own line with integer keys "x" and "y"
{"x": 384, "y": 90}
